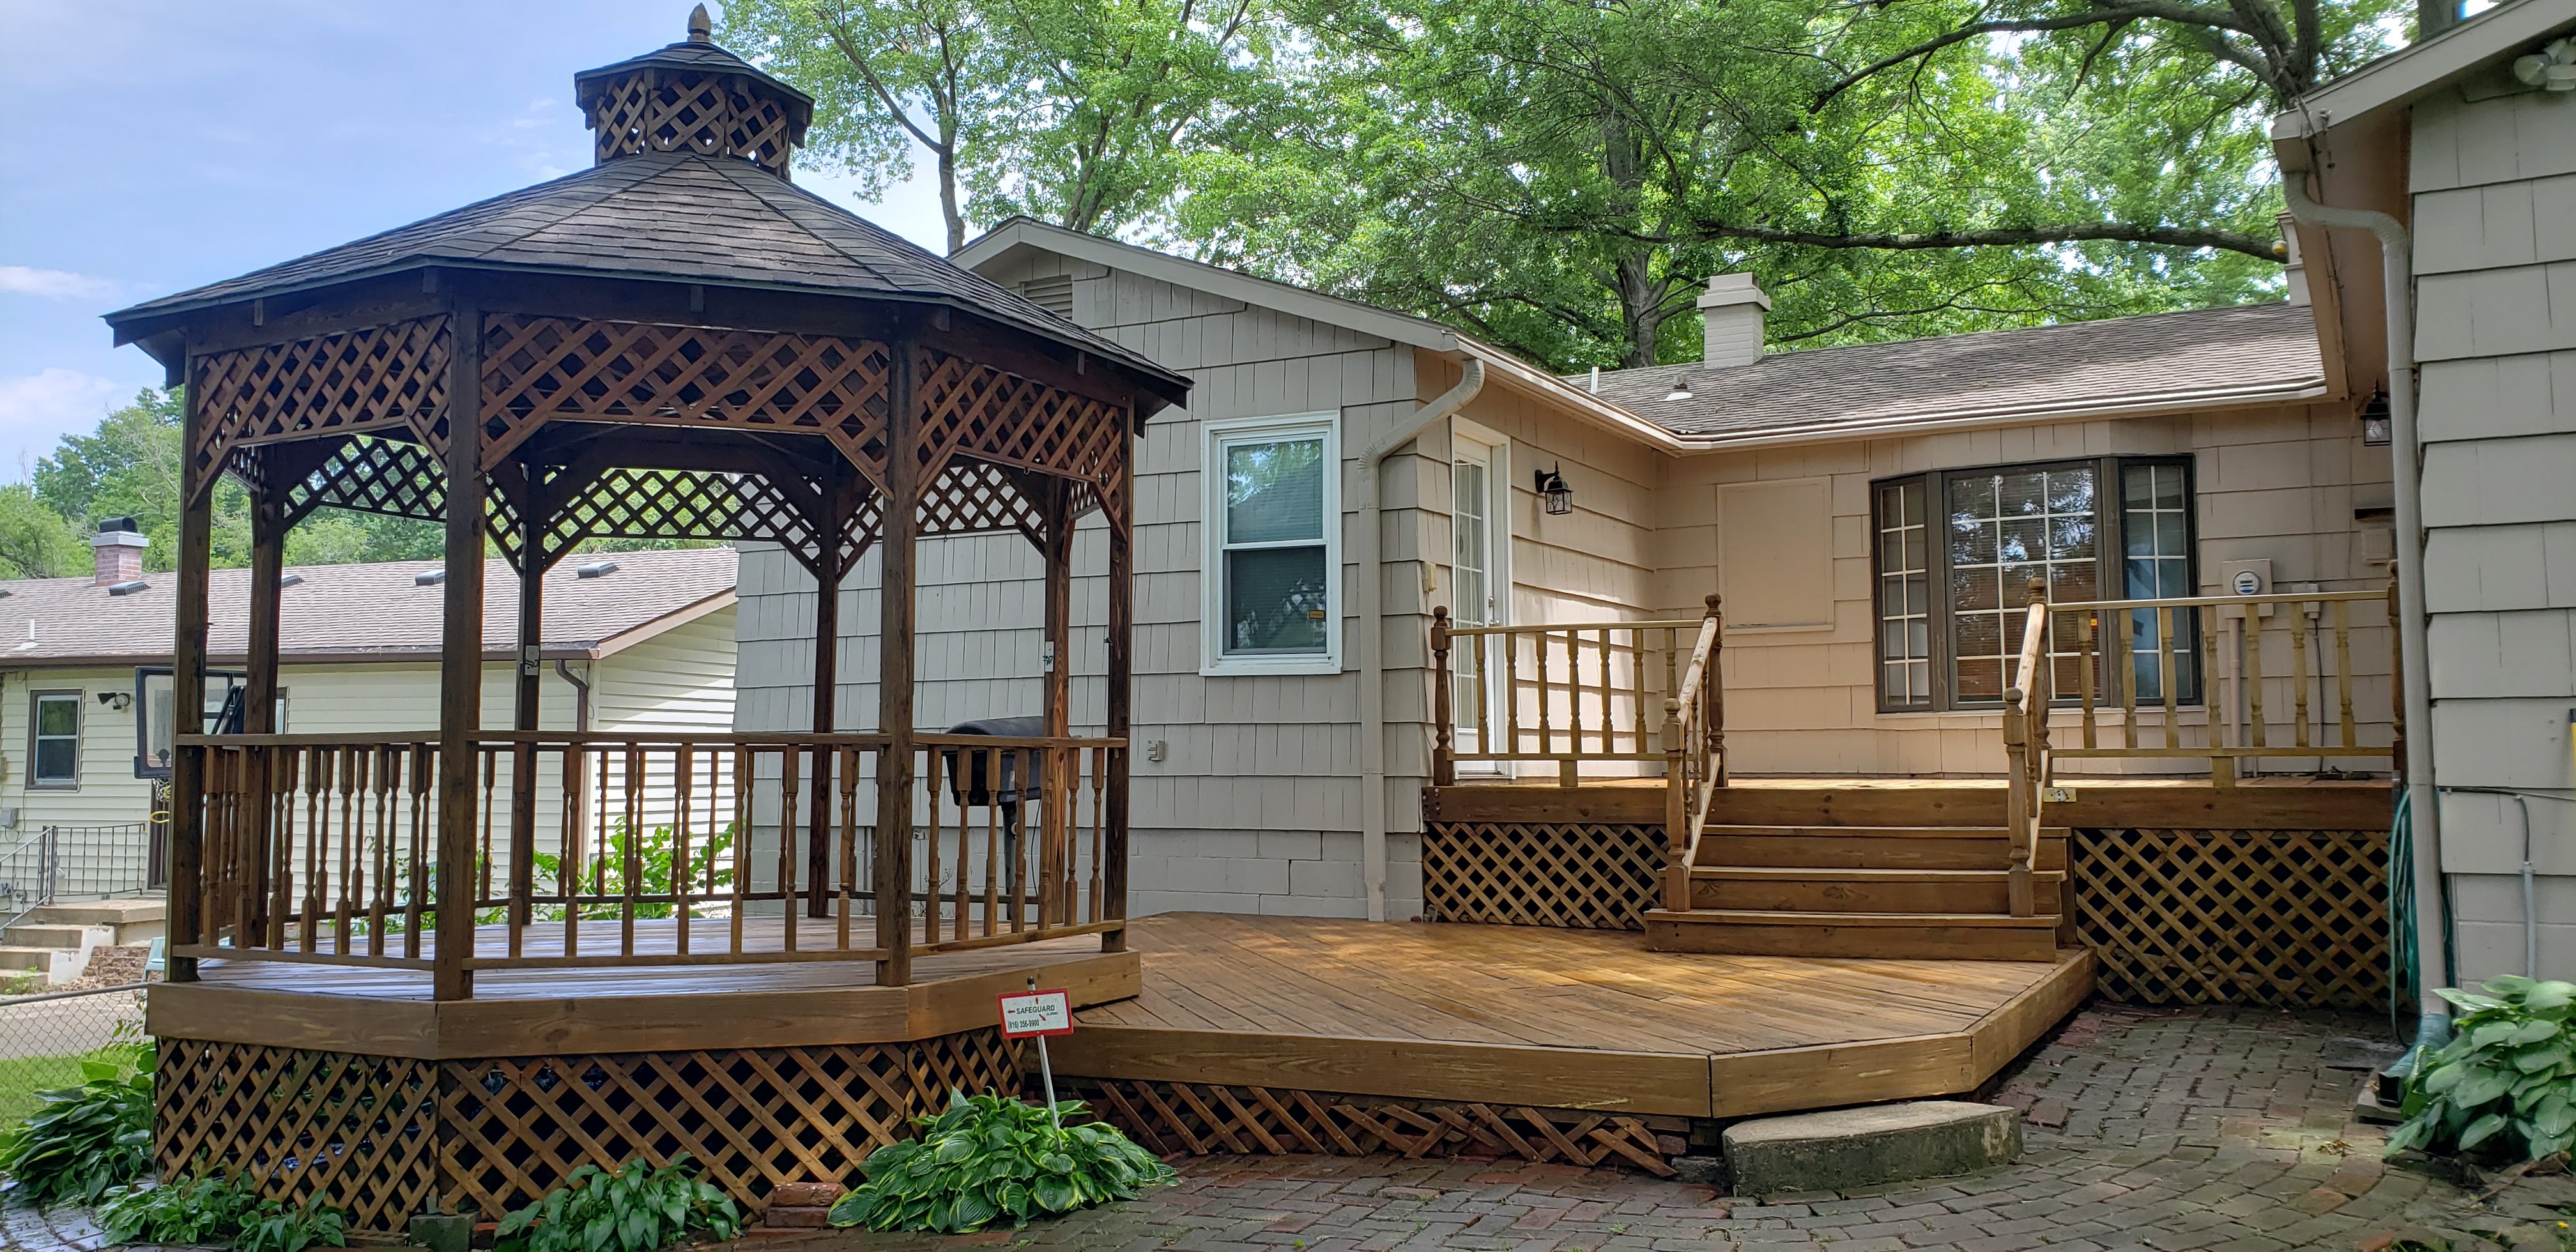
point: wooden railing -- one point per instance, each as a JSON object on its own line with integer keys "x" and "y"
{"x": 1694, "y": 756}
{"x": 606, "y": 850}
{"x": 2026, "y": 749}
{"x": 2234, "y": 674}
{"x": 1566, "y": 694}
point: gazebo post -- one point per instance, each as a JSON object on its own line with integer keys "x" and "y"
{"x": 528, "y": 702}
{"x": 460, "y": 662}
{"x": 268, "y": 528}
{"x": 827, "y": 656}
{"x": 188, "y": 698}
{"x": 1062, "y": 779}
{"x": 1120, "y": 507}
{"x": 893, "y": 880}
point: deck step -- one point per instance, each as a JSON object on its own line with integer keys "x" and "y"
{"x": 1904, "y": 936}
{"x": 1871, "y": 847}
{"x": 1813, "y": 889}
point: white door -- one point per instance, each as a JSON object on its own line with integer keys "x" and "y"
{"x": 1480, "y": 589}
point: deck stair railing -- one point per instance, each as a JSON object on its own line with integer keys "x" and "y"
{"x": 611, "y": 850}
{"x": 1619, "y": 693}
{"x": 2026, "y": 749}
{"x": 1567, "y": 694}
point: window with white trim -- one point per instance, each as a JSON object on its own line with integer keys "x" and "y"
{"x": 53, "y": 755}
{"x": 1956, "y": 551}
{"x": 1272, "y": 571}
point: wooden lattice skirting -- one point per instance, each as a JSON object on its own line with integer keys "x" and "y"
{"x": 2278, "y": 918}
{"x": 1580, "y": 875}
{"x": 1200, "y": 1118}
{"x": 379, "y": 1137}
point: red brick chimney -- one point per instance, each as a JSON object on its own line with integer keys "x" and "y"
{"x": 120, "y": 552}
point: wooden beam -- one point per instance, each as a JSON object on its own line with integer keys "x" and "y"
{"x": 460, "y": 686}
{"x": 536, "y": 506}
{"x": 827, "y": 677}
{"x": 188, "y": 702}
{"x": 1121, "y": 694}
{"x": 897, "y": 603}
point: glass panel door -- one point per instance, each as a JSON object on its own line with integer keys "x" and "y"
{"x": 1476, "y": 596}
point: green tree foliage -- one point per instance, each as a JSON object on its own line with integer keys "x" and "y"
{"x": 129, "y": 467}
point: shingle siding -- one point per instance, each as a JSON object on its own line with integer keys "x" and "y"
{"x": 2494, "y": 224}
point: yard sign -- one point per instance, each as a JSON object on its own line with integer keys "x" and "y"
{"x": 1035, "y": 1014}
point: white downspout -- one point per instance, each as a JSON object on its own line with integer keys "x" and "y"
{"x": 1369, "y": 629}
{"x": 2423, "y": 801}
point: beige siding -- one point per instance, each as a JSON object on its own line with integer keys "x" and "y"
{"x": 2494, "y": 208}
{"x": 2277, "y": 483}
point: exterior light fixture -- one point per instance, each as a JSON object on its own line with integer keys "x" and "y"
{"x": 2376, "y": 427}
{"x": 1551, "y": 486}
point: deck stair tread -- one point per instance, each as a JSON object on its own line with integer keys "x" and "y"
{"x": 1887, "y": 891}
{"x": 1762, "y": 917}
{"x": 1848, "y": 873}
{"x": 1869, "y": 832}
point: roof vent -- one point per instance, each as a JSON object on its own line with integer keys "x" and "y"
{"x": 128, "y": 587}
{"x": 1055, "y": 294}
{"x": 289, "y": 580}
{"x": 596, "y": 569}
{"x": 429, "y": 577}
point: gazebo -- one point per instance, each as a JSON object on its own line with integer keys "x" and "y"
{"x": 435, "y": 968}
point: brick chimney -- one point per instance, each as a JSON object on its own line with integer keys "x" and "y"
{"x": 1730, "y": 315}
{"x": 120, "y": 551}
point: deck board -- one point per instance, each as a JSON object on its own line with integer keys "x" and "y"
{"x": 1568, "y": 1018}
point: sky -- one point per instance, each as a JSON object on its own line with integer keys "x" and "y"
{"x": 164, "y": 144}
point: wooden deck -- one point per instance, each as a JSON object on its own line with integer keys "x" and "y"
{"x": 2282, "y": 803}
{"x": 389, "y": 1012}
{"x": 1575, "y": 1019}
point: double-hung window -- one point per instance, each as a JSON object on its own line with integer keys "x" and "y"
{"x": 53, "y": 756}
{"x": 1272, "y": 568}
{"x": 1956, "y": 551}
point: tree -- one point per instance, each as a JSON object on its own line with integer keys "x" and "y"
{"x": 35, "y": 541}
{"x": 1079, "y": 112}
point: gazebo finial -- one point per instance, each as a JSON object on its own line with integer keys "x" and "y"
{"x": 700, "y": 29}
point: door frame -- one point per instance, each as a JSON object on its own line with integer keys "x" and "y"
{"x": 1499, "y": 500}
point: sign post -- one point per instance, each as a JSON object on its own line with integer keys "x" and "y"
{"x": 1035, "y": 1014}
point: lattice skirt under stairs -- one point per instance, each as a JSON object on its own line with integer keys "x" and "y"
{"x": 1202, "y": 1118}
{"x": 380, "y": 1138}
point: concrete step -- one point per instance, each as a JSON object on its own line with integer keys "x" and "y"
{"x": 1871, "y": 847}
{"x": 43, "y": 935}
{"x": 1810, "y": 889}
{"x": 1870, "y": 1146}
{"x": 122, "y": 912}
{"x": 1904, "y": 936}
{"x": 40, "y": 960}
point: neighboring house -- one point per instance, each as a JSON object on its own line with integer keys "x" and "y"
{"x": 1300, "y": 521}
{"x": 2467, "y": 141}
{"x": 634, "y": 641}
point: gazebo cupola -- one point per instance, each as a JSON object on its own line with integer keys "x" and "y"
{"x": 692, "y": 97}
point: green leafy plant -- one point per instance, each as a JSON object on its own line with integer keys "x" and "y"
{"x": 2505, "y": 1085}
{"x": 655, "y": 852}
{"x": 987, "y": 1158}
{"x": 212, "y": 1208}
{"x": 632, "y": 1208}
{"x": 88, "y": 1138}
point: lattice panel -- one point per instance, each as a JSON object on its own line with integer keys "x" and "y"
{"x": 978, "y": 411}
{"x": 357, "y": 1131}
{"x": 1578, "y": 875}
{"x": 1176, "y": 1117}
{"x": 536, "y": 369}
{"x": 973, "y": 496}
{"x": 2286, "y": 918}
{"x": 680, "y": 504}
{"x": 666, "y": 110}
{"x": 754, "y": 1118}
{"x": 373, "y": 475}
{"x": 382, "y": 376}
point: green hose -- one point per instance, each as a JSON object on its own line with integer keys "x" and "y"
{"x": 2402, "y": 989}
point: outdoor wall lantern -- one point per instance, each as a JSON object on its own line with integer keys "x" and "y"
{"x": 2376, "y": 430}
{"x": 1551, "y": 486}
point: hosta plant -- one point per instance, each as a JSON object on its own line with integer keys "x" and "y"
{"x": 211, "y": 1208}
{"x": 88, "y": 1138}
{"x": 632, "y": 1208}
{"x": 2504, "y": 1087}
{"x": 991, "y": 1158}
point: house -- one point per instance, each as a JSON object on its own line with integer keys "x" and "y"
{"x": 2446, "y": 174}
{"x": 1342, "y": 472}
{"x": 634, "y": 641}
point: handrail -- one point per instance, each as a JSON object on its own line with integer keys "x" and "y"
{"x": 2195, "y": 602}
{"x": 1694, "y": 755}
{"x": 1568, "y": 694}
{"x": 1558, "y": 628}
{"x": 2026, "y": 748}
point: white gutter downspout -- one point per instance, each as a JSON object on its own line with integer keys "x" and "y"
{"x": 1370, "y": 630}
{"x": 2405, "y": 444}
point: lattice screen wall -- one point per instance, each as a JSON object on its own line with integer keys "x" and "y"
{"x": 1579, "y": 875}
{"x": 1201, "y": 1118}
{"x": 378, "y": 1137}
{"x": 2284, "y": 918}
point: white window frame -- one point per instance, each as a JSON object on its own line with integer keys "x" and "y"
{"x": 35, "y": 724}
{"x": 1502, "y": 494}
{"x": 1216, "y": 436}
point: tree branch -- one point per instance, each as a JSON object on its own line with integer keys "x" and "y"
{"x": 2105, "y": 14}
{"x": 2002, "y": 236}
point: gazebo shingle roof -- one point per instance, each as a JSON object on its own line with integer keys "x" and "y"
{"x": 682, "y": 216}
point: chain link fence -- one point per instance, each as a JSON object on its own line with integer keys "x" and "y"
{"x": 44, "y": 1037}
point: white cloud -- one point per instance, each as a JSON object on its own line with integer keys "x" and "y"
{"x": 59, "y": 284}
{"x": 34, "y": 408}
